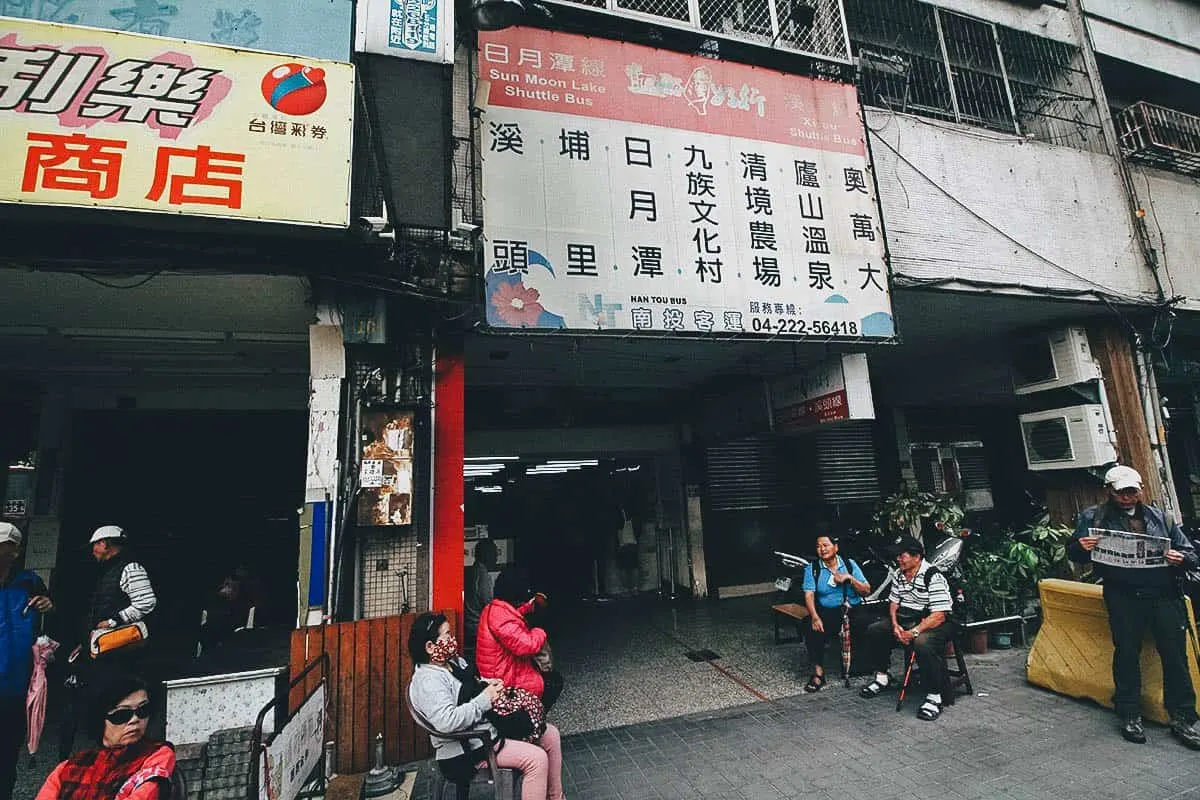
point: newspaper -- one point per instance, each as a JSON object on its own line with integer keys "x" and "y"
{"x": 1132, "y": 550}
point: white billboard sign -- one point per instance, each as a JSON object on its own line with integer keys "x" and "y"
{"x": 632, "y": 189}
{"x": 288, "y": 761}
{"x": 835, "y": 390}
{"x": 422, "y": 30}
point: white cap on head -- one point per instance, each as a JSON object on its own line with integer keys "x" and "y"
{"x": 10, "y": 533}
{"x": 1123, "y": 478}
{"x": 107, "y": 532}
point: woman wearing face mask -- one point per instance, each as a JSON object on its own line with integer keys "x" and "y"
{"x": 435, "y": 694}
{"x": 126, "y": 765}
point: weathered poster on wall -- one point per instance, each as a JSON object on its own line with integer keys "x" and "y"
{"x": 385, "y": 471}
{"x": 634, "y": 189}
{"x": 1130, "y": 550}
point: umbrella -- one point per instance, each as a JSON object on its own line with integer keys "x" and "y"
{"x": 912, "y": 656}
{"x": 845, "y": 634}
{"x": 35, "y": 701}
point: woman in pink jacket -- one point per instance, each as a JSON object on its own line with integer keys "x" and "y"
{"x": 505, "y": 644}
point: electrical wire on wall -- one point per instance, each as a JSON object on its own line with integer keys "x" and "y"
{"x": 1099, "y": 290}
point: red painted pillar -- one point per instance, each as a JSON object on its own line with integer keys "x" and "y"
{"x": 449, "y": 448}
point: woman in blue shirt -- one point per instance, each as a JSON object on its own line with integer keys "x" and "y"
{"x": 827, "y": 583}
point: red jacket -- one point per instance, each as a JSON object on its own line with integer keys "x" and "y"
{"x": 505, "y": 645}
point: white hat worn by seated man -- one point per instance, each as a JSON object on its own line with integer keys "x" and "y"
{"x": 107, "y": 532}
{"x": 1123, "y": 477}
{"x": 10, "y": 533}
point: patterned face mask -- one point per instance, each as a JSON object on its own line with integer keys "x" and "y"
{"x": 444, "y": 650}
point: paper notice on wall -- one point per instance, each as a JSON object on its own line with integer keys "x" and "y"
{"x": 41, "y": 543}
{"x": 1131, "y": 550}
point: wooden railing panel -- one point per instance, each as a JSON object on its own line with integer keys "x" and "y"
{"x": 369, "y": 671}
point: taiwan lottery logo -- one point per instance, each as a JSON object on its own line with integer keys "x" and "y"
{"x": 295, "y": 89}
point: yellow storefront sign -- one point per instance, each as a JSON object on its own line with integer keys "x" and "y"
{"x": 122, "y": 121}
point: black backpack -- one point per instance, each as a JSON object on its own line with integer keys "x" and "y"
{"x": 958, "y": 611}
{"x": 816, "y": 568}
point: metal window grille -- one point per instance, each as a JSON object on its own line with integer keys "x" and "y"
{"x": 394, "y": 574}
{"x": 466, "y": 169}
{"x": 399, "y": 375}
{"x": 778, "y": 23}
{"x": 920, "y": 59}
{"x": 1160, "y": 137}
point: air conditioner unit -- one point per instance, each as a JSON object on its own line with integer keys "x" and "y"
{"x": 1067, "y": 438}
{"x": 1053, "y": 360}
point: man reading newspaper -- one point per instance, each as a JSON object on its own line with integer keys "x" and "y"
{"x": 1138, "y": 553}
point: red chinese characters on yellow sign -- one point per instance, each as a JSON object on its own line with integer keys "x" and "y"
{"x": 97, "y": 164}
{"x": 206, "y": 172}
{"x": 77, "y": 162}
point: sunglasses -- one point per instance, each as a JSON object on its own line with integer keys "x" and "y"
{"x": 122, "y": 716}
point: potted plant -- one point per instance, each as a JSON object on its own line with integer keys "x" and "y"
{"x": 904, "y": 513}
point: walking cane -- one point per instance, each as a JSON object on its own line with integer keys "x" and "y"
{"x": 912, "y": 656}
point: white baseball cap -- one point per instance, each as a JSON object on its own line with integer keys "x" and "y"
{"x": 10, "y": 533}
{"x": 1123, "y": 478}
{"x": 107, "y": 532}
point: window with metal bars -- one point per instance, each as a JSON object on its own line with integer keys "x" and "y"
{"x": 816, "y": 27}
{"x": 920, "y": 59}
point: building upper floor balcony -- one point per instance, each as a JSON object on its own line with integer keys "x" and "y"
{"x": 1160, "y": 137}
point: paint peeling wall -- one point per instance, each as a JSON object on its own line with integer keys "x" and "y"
{"x": 991, "y": 210}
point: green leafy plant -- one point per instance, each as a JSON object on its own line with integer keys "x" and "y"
{"x": 903, "y": 513}
{"x": 1050, "y": 543}
{"x": 1002, "y": 568}
{"x": 991, "y": 583}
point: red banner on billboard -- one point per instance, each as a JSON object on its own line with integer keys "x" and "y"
{"x": 541, "y": 70}
{"x": 816, "y": 411}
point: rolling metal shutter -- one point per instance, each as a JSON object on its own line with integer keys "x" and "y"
{"x": 846, "y": 462}
{"x": 745, "y": 475}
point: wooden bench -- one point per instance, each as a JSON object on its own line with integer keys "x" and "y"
{"x": 345, "y": 787}
{"x": 785, "y": 611}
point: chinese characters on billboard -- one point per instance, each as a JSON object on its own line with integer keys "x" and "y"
{"x": 125, "y": 121}
{"x": 385, "y": 472}
{"x": 418, "y": 29}
{"x": 628, "y": 188}
{"x": 835, "y": 390}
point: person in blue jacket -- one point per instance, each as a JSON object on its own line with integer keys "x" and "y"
{"x": 22, "y": 598}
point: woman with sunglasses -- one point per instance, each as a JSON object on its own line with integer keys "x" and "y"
{"x": 126, "y": 766}
{"x": 436, "y": 694}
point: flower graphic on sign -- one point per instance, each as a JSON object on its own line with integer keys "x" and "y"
{"x": 517, "y": 305}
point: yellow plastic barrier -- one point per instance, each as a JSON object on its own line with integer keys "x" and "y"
{"x": 1073, "y": 651}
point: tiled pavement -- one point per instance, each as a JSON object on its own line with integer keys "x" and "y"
{"x": 1010, "y": 740}
{"x": 630, "y": 736}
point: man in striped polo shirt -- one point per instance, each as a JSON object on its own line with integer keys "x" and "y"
{"x": 123, "y": 595}
{"x": 918, "y": 617}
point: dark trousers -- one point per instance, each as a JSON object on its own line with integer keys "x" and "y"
{"x": 831, "y": 619}
{"x": 12, "y": 736}
{"x": 930, "y": 648}
{"x": 1131, "y": 612}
